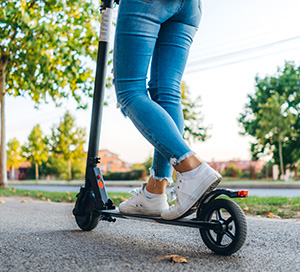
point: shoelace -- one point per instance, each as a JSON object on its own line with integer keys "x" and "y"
{"x": 134, "y": 191}
{"x": 172, "y": 195}
{"x": 173, "y": 192}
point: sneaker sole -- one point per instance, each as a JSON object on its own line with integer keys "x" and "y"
{"x": 143, "y": 212}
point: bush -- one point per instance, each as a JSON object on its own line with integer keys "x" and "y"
{"x": 232, "y": 171}
{"x": 130, "y": 175}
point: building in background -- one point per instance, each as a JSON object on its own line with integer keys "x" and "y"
{"x": 20, "y": 173}
{"x": 110, "y": 162}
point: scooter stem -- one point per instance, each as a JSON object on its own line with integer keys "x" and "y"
{"x": 99, "y": 88}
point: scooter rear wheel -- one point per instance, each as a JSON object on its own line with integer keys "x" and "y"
{"x": 84, "y": 207}
{"x": 231, "y": 231}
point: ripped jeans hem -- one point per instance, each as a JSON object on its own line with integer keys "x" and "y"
{"x": 175, "y": 161}
{"x": 152, "y": 174}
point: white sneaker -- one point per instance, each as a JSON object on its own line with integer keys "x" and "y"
{"x": 140, "y": 204}
{"x": 189, "y": 191}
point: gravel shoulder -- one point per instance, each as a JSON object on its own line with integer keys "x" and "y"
{"x": 43, "y": 236}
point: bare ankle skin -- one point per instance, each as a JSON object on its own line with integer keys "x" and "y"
{"x": 187, "y": 164}
{"x": 155, "y": 186}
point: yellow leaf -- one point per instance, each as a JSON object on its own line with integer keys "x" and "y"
{"x": 2, "y": 201}
{"x": 270, "y": 214}
{"x": 173, "y": 258}
{"x": 24, "y": 201}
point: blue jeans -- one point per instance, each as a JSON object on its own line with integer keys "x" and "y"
{"x": 160, "y": 32}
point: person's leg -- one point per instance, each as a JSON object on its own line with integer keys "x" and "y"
{"x": 165, "y": 89}
{"x": 193, "y": 178}
{"x": 135, "y": 39}
{"x": 137, "y": 30}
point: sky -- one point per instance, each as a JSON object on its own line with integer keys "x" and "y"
{"x": 236, "y": 41}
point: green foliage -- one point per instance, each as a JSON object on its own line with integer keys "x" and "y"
{"x": 36, "y": 150}
{"x": 67, "y": 143}
{"x": 14, "y": 154}
{"x": 67, "y": 140}
{"x": 45, "y": 46}
{"x": 193, "y": 118}
{"x": 272, "y": 116}
{"x": 232, "y": 171}
{"x": 62, "y": 156}
{"x": 78, "y": 168}
{"x": 54, "y": 167}
{"x": 130, "y": 175}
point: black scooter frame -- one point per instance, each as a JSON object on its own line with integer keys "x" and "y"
{"x": 94, "y": 192}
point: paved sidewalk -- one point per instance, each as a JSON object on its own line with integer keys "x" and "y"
{"x": 246, "y": 184}
{"x": 43, "y": 236}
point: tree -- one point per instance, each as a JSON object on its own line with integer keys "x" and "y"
{"x": 14, "y": 156}
{"x": 44, "y": 48}
{"x": 193, "y": 118}
{"x": 275, "y": 122}
{"x": 272, "y": 116}
{"x": 36, "y": 150}
{"x": 67, "y": 141}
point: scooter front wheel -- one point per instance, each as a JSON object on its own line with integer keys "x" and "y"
{"x": 230, "y": 233}
{"x": 84, "y": 210}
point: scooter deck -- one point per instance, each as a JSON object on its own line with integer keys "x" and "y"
{"x": 184, "y": 222}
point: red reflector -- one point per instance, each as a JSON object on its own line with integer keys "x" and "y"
{"x": 99, "y": 177}
{"x": 100, "y": 183}
{"x": 243, "y": 193}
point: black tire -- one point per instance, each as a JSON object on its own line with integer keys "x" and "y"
{"x": 231, "y": 232}
{"x": 84, "y": 216}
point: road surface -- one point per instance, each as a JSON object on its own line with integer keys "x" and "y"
{"x": 43, "y": 236}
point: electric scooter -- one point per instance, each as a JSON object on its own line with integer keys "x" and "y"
{"x": 221, "y": 222}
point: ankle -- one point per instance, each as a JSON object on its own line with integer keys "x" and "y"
{"x": 188, "y": 164}
{"x": 156, "y": 186}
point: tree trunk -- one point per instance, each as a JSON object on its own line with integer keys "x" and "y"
{"x": 69, "y": 169}
{"x": 3, "y": 164}
{"x": 36, "y": 171}
{"x": 281, "y": 159}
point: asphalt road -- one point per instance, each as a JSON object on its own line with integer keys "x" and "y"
{"x": 43, "y": 236}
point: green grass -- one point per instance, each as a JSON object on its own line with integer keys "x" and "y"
{"x": 284, "y": 207}
{"x": 69, "y": 197}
